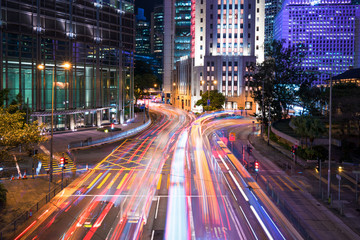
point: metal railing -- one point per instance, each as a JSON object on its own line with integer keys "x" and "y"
{"x": 115, "y": 137}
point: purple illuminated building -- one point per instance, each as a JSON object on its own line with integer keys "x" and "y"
{"x": 329, "y": 29}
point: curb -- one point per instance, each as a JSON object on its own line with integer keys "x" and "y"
{"x": 125, "y": 134}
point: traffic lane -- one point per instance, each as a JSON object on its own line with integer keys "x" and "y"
{"x": 95, "y": 193}
{"x": 266, "y": 208}
{"x": 214, "y": 217}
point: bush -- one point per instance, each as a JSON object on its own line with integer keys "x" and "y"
{"x": 3, "y": 192}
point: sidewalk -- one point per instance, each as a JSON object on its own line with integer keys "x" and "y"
{"x": 323, "y": 220}
{"x": 23, "y": 194}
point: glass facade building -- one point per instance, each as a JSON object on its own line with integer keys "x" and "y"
{"x": 96, "y": 40}
{"x": 182, "y": 36}
{"x": 328, "y": 29}
{"x": 142, "y": 38}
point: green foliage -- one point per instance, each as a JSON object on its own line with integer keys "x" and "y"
{"x": 275, "y": 80}
{"x": 3, "y": 192}
{"x": 311, "y": 98}
{"x": 217, "y": 100}
{"x": 346, "y": 107}
{"x": 14, "y": 131}
{"x": 144, "y": 78}
{"x": 4, "y": 96}
{"x": 308, "y": 127}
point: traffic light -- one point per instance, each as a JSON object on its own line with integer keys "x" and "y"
{"x": 62, "y": 162}
{"x": 112, "y": 126}
{"x": 66, "y": 161}
{"x": 256, "y": 165}
{"x": 293, "y": 150}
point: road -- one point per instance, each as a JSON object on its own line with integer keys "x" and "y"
{"x": 212, "y": 196}
{"x": 176, "y": 180}
{"x": 113, "y": 200}
{"x": 289, "y": 184}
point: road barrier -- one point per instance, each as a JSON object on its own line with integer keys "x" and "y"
{"x": 88, "y": 142}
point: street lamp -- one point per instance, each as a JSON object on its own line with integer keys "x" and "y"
{"x": 41, "y": 67}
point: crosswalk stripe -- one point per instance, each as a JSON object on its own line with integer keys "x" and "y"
{"x": 113, "y": 180}
{"x": 281, "y": 188}
{"x": 122, "y": 181}
{"x": 104, "y": 180}
{"x": 294, "y": 183}
{"x": 168, "y": 181}
{"x": 131, "y": 181}
{"x": 285, "y": 183}
{"x": 94, "y": 181}
{"x": 159, "y": 182}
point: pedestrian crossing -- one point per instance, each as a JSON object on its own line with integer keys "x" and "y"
{"x": 284, "y": 183}
{"x": 124, "y": 180}
{"x": 55, "y": 164}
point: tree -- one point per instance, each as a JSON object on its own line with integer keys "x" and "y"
{"x": 144, "y": 78}
{"x": 216, "y": 98}
{"x": 275, "y": 80}
{"x": 310, "y": 98}
{"x": 14, "y": 130}
{"x": 346, "y": 107}
{"x": 308, "y": 127}
{"x": 3, "y": 192}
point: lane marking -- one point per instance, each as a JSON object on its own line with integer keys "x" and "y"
{"x": 113, "y": 180}
{"x": 238, "y": 185}
{"x": 261, "y": 223}
{"x": 296, "y": 185}
{"x": 104, "y": 180}
{"x": 122, "y": 181}
{"x": 277, "y": 184}
{"x": 131, "y": 181}
{"x": 285, "y": 183}
{"x": 159, "y": 182}
{"x": 168, "y": 181}
{"x": 248, "y": 222}
{"x": 94, "y": 181}
{"x": 157, "y": 208}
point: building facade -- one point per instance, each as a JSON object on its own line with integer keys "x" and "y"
{"x": 329, "y": 29}
{"x": 80, "y": 53}
{"x": 272, "y": 7}
{"x": 142, "y": 36}
{"x": 157, "y": 36}
{"x": 177, "y": 38}
{"x": 228, "y": 37}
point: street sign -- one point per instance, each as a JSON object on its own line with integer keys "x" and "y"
{"x": 338, "y": 176}
{"x": 208, "y": 102}
{"x": 232, "y": 137}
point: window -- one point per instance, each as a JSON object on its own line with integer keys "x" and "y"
{"x": 201, "y": 19}
{"x": 201, "y": 38}
{"x": 201, "y": 11}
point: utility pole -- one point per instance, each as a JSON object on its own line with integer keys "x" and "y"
{"x": 269, "y": 125}
{"x": 263, "y": 108}
{"x": 330, "y": 113}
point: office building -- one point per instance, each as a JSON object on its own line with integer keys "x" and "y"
{"x": 157, "y": 36}
{"x": 83, "y": 49}
{"x": 228, "y": 38}
{"x": 272, "y": 7}
{"x": 142, "y": 37}
{"x": 177, "y": 38}
{"x": 328, "y": 29}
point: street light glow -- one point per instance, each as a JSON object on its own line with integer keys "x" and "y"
{"x": 67, "y": 65}
{"x": 41, "y": 67}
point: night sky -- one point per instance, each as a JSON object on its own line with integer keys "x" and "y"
{"x": 147, "y": 5}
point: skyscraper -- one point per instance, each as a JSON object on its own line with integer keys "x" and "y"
{"x": 142, "y": 38}
{"x": 177, "y": 38}
{"x": 157, "y": 36}
{"x": 228, "y": 37}
{"x": 87, "y": 55}
{"x": 329, "y": 29}
{"x": 272, "y": 7}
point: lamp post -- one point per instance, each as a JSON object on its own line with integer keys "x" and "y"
{"x": 41, "y": 67}
{"x": 330, "y": 113}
